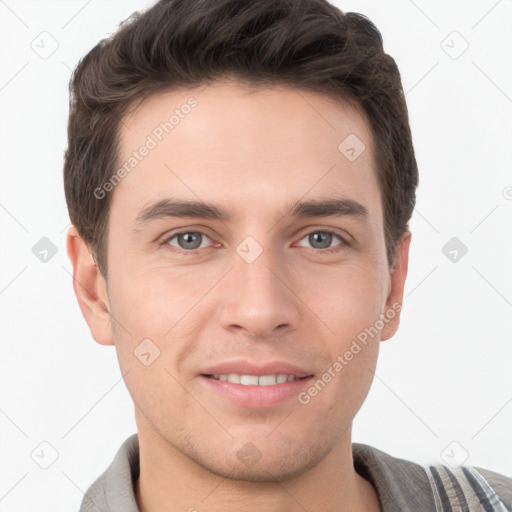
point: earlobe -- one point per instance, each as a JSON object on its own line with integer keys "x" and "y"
{"x": 90, "y": 288}
{"x": 397, "y": 277}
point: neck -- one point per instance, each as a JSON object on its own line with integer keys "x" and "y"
{"x": 168, "y": 478}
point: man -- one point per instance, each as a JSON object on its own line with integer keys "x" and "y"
{"x": 240, "y": 176}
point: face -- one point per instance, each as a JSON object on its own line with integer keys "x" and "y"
{"x": 250, "y": 281}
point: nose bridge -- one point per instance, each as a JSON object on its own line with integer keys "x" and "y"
{"x": 259, "y": 299}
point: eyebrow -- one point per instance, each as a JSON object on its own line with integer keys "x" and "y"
{"x": 167, "y": 208}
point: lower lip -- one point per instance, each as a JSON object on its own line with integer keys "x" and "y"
{"x": 256, "y": 396}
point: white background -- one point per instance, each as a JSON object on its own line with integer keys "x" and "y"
{"x": 446, "y": 376}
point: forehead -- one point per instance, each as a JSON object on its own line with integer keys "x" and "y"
{"x": 229, "y": 143}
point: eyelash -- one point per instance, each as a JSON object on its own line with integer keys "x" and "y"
{"x": 338, "y": 248}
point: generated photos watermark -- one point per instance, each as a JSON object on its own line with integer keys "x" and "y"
{"x": 156, "y": 136}
{"x": 342, "y": 360}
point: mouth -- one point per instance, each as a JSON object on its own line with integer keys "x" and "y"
{"x": 254, "y": 384}
{"x": 250, "y": 391}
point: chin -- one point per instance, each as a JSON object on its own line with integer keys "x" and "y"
{"x": 271, "y": 463}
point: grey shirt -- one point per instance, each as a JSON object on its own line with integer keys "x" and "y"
{"x": 401, "y": 485}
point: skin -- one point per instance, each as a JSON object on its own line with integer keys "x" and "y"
{"x": 253, "y": 152}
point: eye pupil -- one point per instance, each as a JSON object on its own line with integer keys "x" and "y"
{"x": 323, "y": 238}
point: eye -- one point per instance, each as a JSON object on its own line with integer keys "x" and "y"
{"x": 322, "y": 241}
{"x": 187, "y": 241}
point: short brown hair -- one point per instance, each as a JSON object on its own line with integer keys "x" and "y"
{"x": 178, "y": 44}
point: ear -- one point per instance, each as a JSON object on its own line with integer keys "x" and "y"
{"x": 397, "y": 276}
{"x": 90, "y": 288}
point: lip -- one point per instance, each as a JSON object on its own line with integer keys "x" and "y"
{"x": 244, "y": 367}
{"x": 255, "y": 397}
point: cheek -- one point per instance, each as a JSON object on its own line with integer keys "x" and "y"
{"x": 156, "y": 312}
{"x": 347, "y": 298}
{"x": 151, "y": 301}
{"x": 350, "y": 303}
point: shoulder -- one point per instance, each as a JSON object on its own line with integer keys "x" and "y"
{"x": 406, "y": 485}
{"x": 113, "y": 490}
{"x": 401, "y": 484}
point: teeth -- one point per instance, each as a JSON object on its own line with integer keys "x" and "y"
{"x": 247, "y": 380}
{"x": 267, "y": 380}
{"x": 254, "y": 380}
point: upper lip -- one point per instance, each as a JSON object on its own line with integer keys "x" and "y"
{"x": 259, "y": 369}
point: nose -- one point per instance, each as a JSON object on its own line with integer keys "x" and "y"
{"x": 259, "y": 298}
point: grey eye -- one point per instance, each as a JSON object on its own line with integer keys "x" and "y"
{"x": 188, "y": 240}
{"x": 322, "y": 239}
